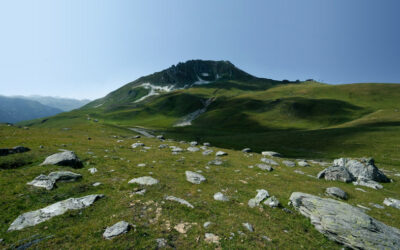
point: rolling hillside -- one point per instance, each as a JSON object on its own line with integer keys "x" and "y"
{"x": 217, "y": 102}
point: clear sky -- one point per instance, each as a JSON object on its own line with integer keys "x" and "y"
{"x": 85, "y": 49}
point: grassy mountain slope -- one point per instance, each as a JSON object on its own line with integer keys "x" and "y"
{"x": 154, "y": 218}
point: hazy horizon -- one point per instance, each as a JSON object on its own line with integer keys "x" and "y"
{"x": 84, "y": 50}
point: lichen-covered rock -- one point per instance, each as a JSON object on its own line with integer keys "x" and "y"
{"x": 65, "y": 158}
{"x": 194, "y": 178}
{"x": 118, "y": 228}
{"x": 346, "y": 224}
{"x": 362, "y": 168}
{"x": 336, "y": 173}
{"x": 35, "y": 217}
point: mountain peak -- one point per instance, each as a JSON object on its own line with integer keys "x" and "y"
{"x": 194, "y": 72}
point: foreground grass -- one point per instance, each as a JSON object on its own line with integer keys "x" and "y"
{"x": 154, "y": 218}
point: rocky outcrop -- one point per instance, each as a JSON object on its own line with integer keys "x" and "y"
{"x": 346, "y": 224}
{"x": 65, "y": 158}
{"x": 35, "y": 217}
{"x": 362, "y": 172}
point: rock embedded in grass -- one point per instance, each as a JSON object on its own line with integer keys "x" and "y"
{"x": 272, "y": 202}
{"x": 144, "y": 180}
{"x": 207, "y": 152}
{"x": 220, "y": 197}
{"x": 303, "y": 163}
{"x": 38, "y": 216}
{"x": 65, "y": 158}
{"x": 193, "y": 149}
{"x": 262, "y": 194}
{"x": 92, "y": 170}
{"x": 271, "y": 153}
{"x": 265, "y": 167}
{"x": 246, "y": 150}
{"x": 48, "y": 181}
{"x": 289, "y": 163}
{"x": 179, "y": 200}
{"x": 194, "y": 143}
{"x": 248, "y": 226}
{"x": 211, "y": 238}
{"x": 390, "y": 202}
{"x": 346, "y": 224}
{"x": 336, "y": 193}
{"x": 221, "y": 153}
{"x": 137, "y": 144}
{"x": 269, "y": 161}
{"x": 118, "y": 228}
{"x": 194, "y": 178}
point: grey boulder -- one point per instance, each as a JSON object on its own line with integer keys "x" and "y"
{"x": 367, "y": 183}
{"x": 193, "y": 149}
{"x": 362, "y": 168}
{"x": 49, "y": 181}
{"x": 38, "y": 216}
{"x": 118, "y": 228}
{"x": 336, "y": 173}
{"x": 65, "y": 158}
{"x": 221, "y": 153}
{"x": 194, "y": 178}
{"x": 336, "y": 193}
{"x": 346, "y": 224}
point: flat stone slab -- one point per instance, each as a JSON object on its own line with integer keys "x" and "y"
{"x": 346, "y": 224}
{"x": 179, "y": 200}
{"x": 65, "y": 158}
{"x": 269, "y": 161}
{"x": 145, "y": 180}
{"x": 49, "y": 181}
{"x": 118, "y": 228}
{"x": 38, "y": 216}
{"x": 336, "y": 193}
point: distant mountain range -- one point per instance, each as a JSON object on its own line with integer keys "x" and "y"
{"x": 19, "y": 108}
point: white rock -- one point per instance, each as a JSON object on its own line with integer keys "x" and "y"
{"x": 179, "y": 200}
{"x": 92, "y": 170}
{"x": 271, "y": 153}
{"x": 116, "y": 229}
{"x": 269, "y": 161}
{"x": 221, "y": 153}
{"x": 193, "y": 149}
{"x": 194, "y": 178}
{"x": 248, "y": 226}
{"x": 145, "y": 180}
{"x": 137, "y": 144}
{"x": 390, "y": 202}
{"x": 211, "y": 238}
{"x": 220, "y": 197}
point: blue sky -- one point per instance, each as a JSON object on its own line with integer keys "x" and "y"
{"x": 85, "y": 49}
